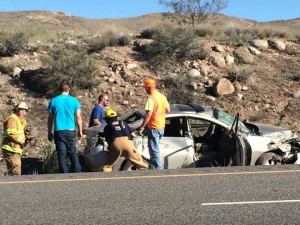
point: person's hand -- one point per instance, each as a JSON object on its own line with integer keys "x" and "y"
{"x": 141, "y": 131}
{"x": 50, "y": 136}
{"x": 23, "y": 144}
{"x": 79, "y": 134}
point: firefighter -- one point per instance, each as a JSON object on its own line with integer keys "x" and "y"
{"x": 14, "y": 138}
{"x": 119, "y": 137}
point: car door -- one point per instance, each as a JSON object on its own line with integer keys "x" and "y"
{"x": 176, "y": 146}
{"x": 241, "y": 156}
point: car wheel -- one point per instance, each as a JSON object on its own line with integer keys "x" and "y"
{"x": 268, "y": 158}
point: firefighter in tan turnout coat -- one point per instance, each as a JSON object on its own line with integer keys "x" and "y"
{"x": 14, "y": 138}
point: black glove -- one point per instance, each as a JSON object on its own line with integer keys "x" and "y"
{"x": 23, "y": 144}
{"x": 50, "y": 136}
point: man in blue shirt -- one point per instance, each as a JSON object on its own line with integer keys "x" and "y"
{"x": 98, "y": 111}
{"x": 64, "y": 110}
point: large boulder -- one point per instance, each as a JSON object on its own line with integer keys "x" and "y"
{"x": 218, "y": 48}
{"x": 193, "y": 73}
{"x": 277, "y": 44}
{"x": 223, "y": 87}
{"x": 229, "y": 59}
{"x": 218, "y": 61}
{"x": 243, "y": 55}
{"x": 260, "y": 44}
{"x": 254, "y": 51}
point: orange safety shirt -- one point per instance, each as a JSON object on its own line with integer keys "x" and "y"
{"x": 158, "y": 104}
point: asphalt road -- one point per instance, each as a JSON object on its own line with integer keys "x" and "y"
{"x": 232, "y": 195}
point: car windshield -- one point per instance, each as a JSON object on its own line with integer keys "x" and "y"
{"x": 229, "y": 120}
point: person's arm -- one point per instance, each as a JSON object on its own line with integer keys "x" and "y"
{"x": 167, "y": 106}
{"x": 96, "y": 122}
{"x": 133, "y": 135}
{"x": 168, "y": 110}
{"x": 79, "y": 123}
{"x": 149, "y": 109}
{"x": 11, "y": 128}
{"x": 50, "y": 125}
{"x": 146, "y": 119}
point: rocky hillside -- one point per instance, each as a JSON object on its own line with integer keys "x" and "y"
{"x": 260, "y": 80}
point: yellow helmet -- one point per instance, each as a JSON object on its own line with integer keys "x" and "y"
{"x": 110, "y": 113}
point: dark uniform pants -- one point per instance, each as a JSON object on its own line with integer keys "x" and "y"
{"x": 122, "y": 146}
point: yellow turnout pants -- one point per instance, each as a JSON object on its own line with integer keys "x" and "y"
{"x": 13, "y": 162}
{"x": 122, "y": 146}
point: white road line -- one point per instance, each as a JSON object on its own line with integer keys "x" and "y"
{"x": 251, "y": 202}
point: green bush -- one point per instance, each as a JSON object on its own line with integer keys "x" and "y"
{"x": 172, "y": 45}
{"x": 95, "y": 45}
{"x": 243, "y": 74}
{"x": 266, "y": 33}
{"x": 239, "y": 37}
{"x": 66, "y": 63}
{"x": 12, "y": 43}
{"x": 204, "y": 32}
{"x": 270, "y": 33}
{"x": 50, "y": 160}
{"x": 148, "y": 33}
{"x": 124, "y": 40}
{"x": 109, "y": 38}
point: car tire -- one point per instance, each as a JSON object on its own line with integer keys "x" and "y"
{"x": 267, "y": 159}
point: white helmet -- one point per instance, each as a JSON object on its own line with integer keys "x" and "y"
{"x": 21, "y": 105}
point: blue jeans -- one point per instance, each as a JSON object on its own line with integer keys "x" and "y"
{"x": 154, "y": 135}
{"x": 65, "y": 142}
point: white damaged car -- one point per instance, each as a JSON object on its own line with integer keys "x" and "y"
{"x": 199, "y": 136}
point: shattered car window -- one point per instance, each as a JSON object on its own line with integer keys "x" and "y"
{"x": 228, "y": 120}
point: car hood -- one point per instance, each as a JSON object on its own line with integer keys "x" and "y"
{"x": 277, "y": 134}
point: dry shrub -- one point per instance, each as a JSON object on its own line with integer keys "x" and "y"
{"x": 64, "y": 62}
{"x": 241, "y": 74}
{"x": 239, "y": 37}
{"x": 172, "y": 45}
{"x": 109, "y": 38}
{"x": 204, "y": 32}
{"x": 12, "y": 43}
{"x": 50, "y": 160}
{"x": 148, "y": 33}
{"x": 270, "y": 33}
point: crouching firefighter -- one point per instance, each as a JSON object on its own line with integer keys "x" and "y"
{"x": 14, "y": 138}
{"x": 119, "y": 137}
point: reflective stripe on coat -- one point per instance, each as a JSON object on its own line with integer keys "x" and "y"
{"x": 13, "y": 134}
